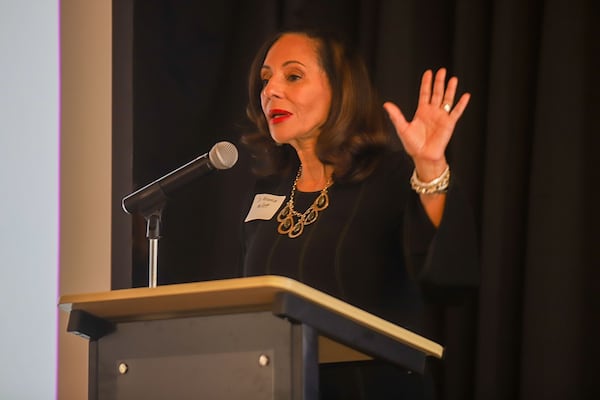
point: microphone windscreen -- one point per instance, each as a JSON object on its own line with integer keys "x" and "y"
{"x": 223, "y": 155}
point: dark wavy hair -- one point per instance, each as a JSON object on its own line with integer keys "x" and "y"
{"x": 352, "y": 137}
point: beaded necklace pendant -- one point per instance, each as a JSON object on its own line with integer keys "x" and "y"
{"x": 288, "y": 225}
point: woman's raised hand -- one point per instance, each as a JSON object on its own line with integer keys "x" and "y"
{"x": 426, "y": 137}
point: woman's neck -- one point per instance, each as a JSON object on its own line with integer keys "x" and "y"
{"x": 315, "y": 175}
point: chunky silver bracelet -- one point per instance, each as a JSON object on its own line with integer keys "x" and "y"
{"x": 437, "y": 185}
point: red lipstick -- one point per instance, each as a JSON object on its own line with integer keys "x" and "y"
{"x": 277, "y": 115}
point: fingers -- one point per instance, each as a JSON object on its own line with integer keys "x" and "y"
{"x": 396, "y": 116}
{"x": 459, "y": 108}
{"x": 440, "y": 95}
{"x": 438, "y": 87}
{"x": 448, "y": 98}
{"x": 434, "y": 95}
{"x": 425, "y": 92}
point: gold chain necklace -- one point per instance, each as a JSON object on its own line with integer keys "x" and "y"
{"x": 287, "y": 224}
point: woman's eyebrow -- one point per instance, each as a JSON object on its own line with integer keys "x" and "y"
{"x": 266, "y": 66}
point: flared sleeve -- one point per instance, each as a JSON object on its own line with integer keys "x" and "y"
{"x": 443, "y": 261}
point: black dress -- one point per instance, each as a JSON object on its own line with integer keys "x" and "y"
{"x": 375, "y": 248}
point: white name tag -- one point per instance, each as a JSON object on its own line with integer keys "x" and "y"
{"x": 264, "y": 206}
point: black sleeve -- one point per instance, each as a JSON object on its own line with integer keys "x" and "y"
{"x": 444, "y": 262}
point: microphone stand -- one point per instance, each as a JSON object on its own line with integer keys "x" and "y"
{"x": 150, "y": 200}
{"x": 154, "y": 201}
{"x": 153, "y": 221}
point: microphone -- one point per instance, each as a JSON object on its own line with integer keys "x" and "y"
{"x": 153, "y": 196}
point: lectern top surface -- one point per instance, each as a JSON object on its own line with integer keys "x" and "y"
{"x": 212, "y": 297}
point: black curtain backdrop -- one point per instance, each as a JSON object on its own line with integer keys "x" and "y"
{"x": 526, "y": 150}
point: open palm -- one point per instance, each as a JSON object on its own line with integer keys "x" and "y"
{"x": 426, "y": 137}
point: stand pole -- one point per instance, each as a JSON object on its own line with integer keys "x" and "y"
{"x": 153, "y": 234}
{"x": 152, "y": 262}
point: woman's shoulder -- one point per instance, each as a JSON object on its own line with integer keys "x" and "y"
{"x": 273, "y": 183}
{"x": 390, "y": 175}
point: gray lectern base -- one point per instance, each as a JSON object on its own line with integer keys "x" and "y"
{"x": 252, "y": 356}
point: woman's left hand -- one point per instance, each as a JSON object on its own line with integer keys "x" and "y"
{"x": 426, "y": 137}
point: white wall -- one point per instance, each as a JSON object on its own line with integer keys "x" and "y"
{"x": 55, "y": 169}
{"x": 29, "y": 151}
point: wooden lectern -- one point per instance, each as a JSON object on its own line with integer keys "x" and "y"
{"x": 245, "y": 338}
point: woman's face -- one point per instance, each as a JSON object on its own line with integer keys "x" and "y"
{"x": 296, "y": 96}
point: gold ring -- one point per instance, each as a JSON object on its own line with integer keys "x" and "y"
{"x": 447, "y": 107}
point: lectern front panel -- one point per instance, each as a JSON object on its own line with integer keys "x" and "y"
{"x": 216, "y": 376}
{"x": 236, "y": 356}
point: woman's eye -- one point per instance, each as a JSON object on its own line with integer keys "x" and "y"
{"x": 265, "y": 82}
{"x": 293, "y": 77}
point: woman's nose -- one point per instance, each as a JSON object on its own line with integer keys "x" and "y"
{"x": 272, "y": 89}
